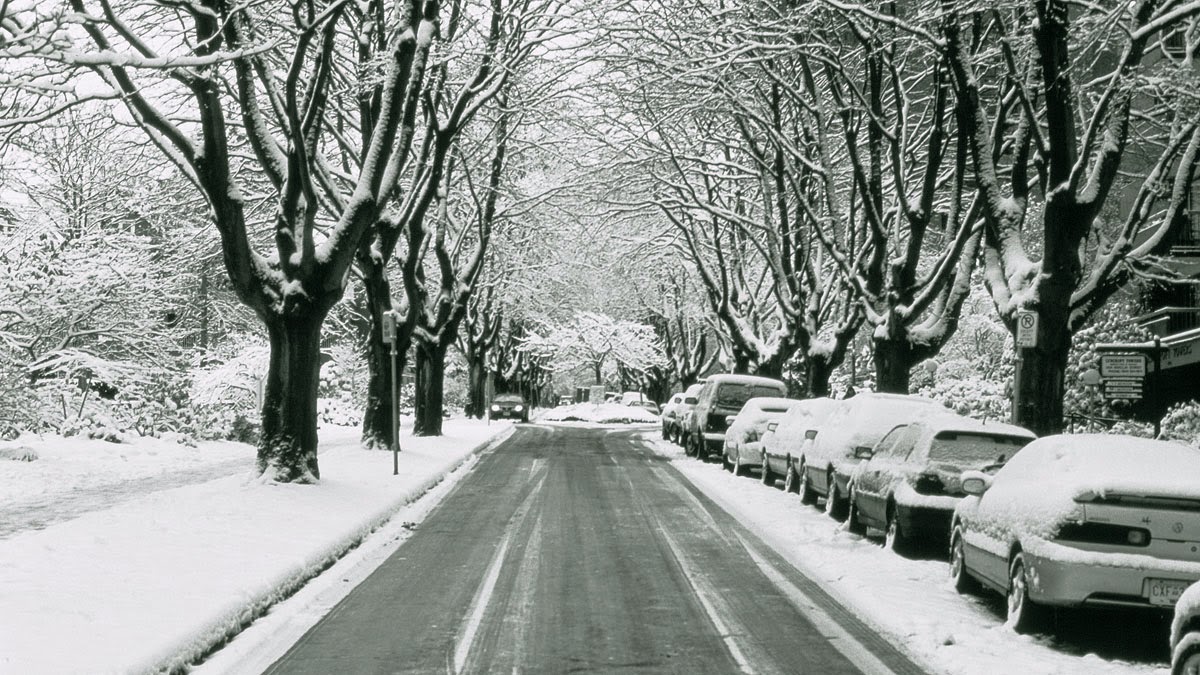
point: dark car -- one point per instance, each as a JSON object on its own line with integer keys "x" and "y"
{"x": 911, "y": 482}
{"x": 721, "y": 397}
{"x": 509, "y": 406}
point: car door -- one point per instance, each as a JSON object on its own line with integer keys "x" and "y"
{"x": 876, "y": 477}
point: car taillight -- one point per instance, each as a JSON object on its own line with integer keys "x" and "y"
{"x": 929, "y": 484}
{"x": 1104, "y": 533}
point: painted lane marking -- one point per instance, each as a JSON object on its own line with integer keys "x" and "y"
{"x": 826, "y": 625}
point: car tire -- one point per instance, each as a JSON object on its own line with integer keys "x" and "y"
{"x": 791, "y": 482}
{"x": 666, "y": 433}
{"x": 701, "y": 448}
{"x": 738, "y": 468}
{"x": 765, "y": 474}
{"x": 894, "y": 537}
{"x": 725, "y": 463}
{"x": 963, "y": 582}
{"x": 854, "y": 525}
{"x": 1188, "y": 662}
{"x": 1023, "y": 615}
{"x": 807, "y": 496}
{"x": 835, "y": 504}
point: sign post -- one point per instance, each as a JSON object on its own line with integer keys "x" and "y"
{"x": 389, "y": 338}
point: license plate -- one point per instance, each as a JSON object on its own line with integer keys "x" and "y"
{"x": 1165, "y": 592}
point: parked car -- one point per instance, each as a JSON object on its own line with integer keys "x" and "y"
{"x": 648, "y": 405}
{"x": 827, "y": 462}
{"x": 633, "y": 398}
{"x": 785, "y": 440}
{"x": 509, "y": 406}
{"x": 1185, "y": 634}
{"x": 720, "y": 397}
{"x": 911, "y": 480}
{"x": 673, "y": 413}
{"x": 1081, "y": 520}
{"x": 667, "y": 416}
{"x": 743, "y": 446}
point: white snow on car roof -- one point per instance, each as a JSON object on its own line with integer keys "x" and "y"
{"x": 744, "y": 379}
{"x": 940, "y": 421}
{"x": 1084, "y": 465}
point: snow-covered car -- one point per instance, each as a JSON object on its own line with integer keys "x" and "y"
{"x": 859, "y": 422}
{"x": 648, "y": 405}
{"x": 784, "y": 441}
{"x": 633, "y": 398}
{"x": 509, "y": 406}
{"x": 1185, "y": 633}
{"x": 721, "y": 397}
{"x": 911, "y": 480}
{"x": 674, "y": 411}
{"x": 743, "y": 445}
{"x": 1081, "y": 520}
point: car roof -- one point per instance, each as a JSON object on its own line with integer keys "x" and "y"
{"x": 941, "y": 421}
{"x": 743, "y": 379}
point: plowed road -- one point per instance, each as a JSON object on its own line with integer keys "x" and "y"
{"x": 572, "y": 549}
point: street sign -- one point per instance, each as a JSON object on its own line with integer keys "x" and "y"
{"x": 1181, "y": 354}
{"x": 1122, "y": 365}
{"x": 389, "y": 327}
{"x": 1129, "y": 388}
{"x": 1027, "y": 326}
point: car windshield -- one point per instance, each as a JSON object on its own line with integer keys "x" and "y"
{"x": 734, "y": 395}
{"x": 508, "y": 399}
{"x": 970, "y": 448}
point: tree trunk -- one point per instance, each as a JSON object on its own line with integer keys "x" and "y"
{"x": 287, "y": 450}
{"x": 596, "y": 372}
{"x": 431, "y": 371}
{"x": 893, "y": 362}
{"x": 377, "y": 418}
{"x": 772, "y": 367}
{"x": 1040, "y": 371}
{"x": 816, "y": 376}
{"x": 476, "y": 383}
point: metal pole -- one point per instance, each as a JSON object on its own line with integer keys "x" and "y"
{"x": 1157, "y": 383}
{"x": 395, "y": 415}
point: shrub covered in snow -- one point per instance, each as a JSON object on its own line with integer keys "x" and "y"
{"x": 1182, "y": 423}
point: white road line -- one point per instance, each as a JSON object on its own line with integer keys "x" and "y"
{"x": 838, "y": 637}
{"x": 478, "y": 606}
{"x": 707, "y": 602}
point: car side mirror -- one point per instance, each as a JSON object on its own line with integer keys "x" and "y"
{"x": 729, "y": 419}
{"x": 691, "y": 400}
{"x": 810, "y": 434}
{"x": 772, "y": 426}
{"x": 976, "y": 483}
{"x": 863, "y": 452}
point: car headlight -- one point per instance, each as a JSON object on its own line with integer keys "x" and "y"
{"x": 517, "y": 408}
{"x": 495, "y": 408}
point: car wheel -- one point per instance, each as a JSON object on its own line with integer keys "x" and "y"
{"x": 835, "y": 504}
{"x": 963, "y": 582}
{"x": 1023, "y": 615}
{"x": 701, "y": 448}
{"x": 666, "y": 433}
{"x": 738, "y": 469}
{"x": 791, "y": 482}
{"x": 853, "y": 524}
{"x": 765, "y": 475}
{"x": 894, "y": 539}
{"x": 807, "y": 496}
{"x": 1188, "y": 662}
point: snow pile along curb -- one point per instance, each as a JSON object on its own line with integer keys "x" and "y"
{"x": 158, "y": 582}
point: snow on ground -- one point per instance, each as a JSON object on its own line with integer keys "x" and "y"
{"x": 158, "y": 580}
{"x": 910, "y": 601}
{"x": 599, "y": 413}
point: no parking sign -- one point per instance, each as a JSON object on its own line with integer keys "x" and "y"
{"x": 1027, "y": 325}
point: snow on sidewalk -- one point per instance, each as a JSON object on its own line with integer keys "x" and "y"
{"x": 158, "y": 580}
{"x": 912, "y": 602}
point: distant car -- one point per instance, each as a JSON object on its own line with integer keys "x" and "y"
{"x": 1087, "y": 520}
{"x": 720, "y": 397}
{"x": 743, "y": 439}
{"x": 633, "y": 398}
{"x": 1185, "y": 634}
{"x": 648, "y": 405}
{"x": 785, "y": 440}
{"x": 509, "y": 406}
{"x": 911, "y": 480}
{"x": 673, "y": 413}
{"x": 827, "y": 462}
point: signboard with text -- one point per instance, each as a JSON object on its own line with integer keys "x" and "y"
{"x": 1122, "y": 365}
{"x": 1027, "y": 326}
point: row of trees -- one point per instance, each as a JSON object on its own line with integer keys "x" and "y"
{"x": 829, "y": 167}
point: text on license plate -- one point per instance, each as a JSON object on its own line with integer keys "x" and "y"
{"x": 1165, "y": 592}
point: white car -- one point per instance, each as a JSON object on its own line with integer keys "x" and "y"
{"x": 786, "y": 439}
{"x": 860, "y": 422}
{"x": 1185, "y": 634}
{"x": 1087, "y": 520}
{"x": 674, "y": 410}
{"x": 743, "y": 446}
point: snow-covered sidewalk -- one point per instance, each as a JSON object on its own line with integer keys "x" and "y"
{"x": 909, "y": 601}
{"x": 158, "y": 580}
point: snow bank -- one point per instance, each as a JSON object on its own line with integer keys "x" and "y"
{"x": 599, "y": 413}
{"x": 160, "y": 580}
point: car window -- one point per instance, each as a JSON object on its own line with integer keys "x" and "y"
{"x": 889, "y": 441}
{"x": 905, "y": 444}
{"x": 735, "y": 394}
{"x": 974, "y": 448}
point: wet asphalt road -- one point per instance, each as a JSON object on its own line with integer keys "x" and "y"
{"x": 572, "y": 549}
